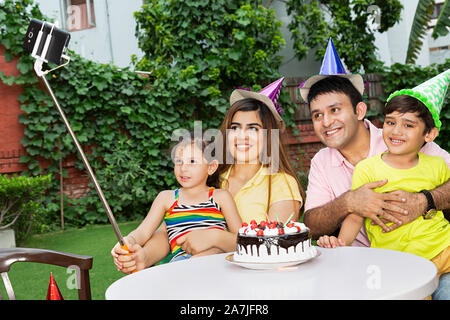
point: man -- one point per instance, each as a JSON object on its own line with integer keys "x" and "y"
{"x": 337, "y": 111}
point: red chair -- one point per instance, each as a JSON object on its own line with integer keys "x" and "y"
{"x": 9, "y": 256}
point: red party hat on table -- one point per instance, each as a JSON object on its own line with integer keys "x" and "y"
{"x": 53, "y": 292}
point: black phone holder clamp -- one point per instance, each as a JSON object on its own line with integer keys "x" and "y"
{"x": 41, "y": 58}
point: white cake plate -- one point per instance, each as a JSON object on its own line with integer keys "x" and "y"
{"x": 270, "y": 265}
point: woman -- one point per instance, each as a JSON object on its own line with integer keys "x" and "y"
{"x": 255, "y": 170}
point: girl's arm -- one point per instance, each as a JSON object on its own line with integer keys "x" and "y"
{"x": 136, "y": 239}
{"x": 350, "y": 228}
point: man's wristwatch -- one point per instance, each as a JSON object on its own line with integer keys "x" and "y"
{"x": 431, "y": 207}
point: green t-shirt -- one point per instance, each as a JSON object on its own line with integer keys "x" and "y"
{"x": 423, "y": 237}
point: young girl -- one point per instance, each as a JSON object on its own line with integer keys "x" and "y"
{"x": 197, "y": 205}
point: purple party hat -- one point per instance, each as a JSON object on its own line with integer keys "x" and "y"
{"x": 331, "y": 64}
{"x": 273, "y": 92}
{"x": 268, "y": 95}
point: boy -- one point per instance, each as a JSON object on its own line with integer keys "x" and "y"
{"x": 412, "y": 119}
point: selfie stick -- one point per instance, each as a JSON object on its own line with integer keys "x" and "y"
{"x": 38, "y": 69}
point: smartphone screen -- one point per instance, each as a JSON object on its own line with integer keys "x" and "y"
{"x": 57, "y": 46}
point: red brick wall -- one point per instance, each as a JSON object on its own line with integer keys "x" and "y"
{"x": 76, "y": 184}
{"x": 302, "y": 148}
{"x": 11, "y": 132}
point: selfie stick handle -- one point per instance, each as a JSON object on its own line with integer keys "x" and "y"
{"x": 38, "y": 69}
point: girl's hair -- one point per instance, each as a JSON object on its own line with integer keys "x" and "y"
{"x": 204, "y": 145}
{"x": 269, "y": 123}
{"x": 405, "y": 103}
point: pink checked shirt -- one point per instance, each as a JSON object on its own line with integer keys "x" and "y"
{"x": 330, "y": 174}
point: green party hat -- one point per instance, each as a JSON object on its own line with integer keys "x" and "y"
{"x": 431, "y": 93}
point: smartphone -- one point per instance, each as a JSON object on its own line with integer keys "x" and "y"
{"x": 58, "y": 43}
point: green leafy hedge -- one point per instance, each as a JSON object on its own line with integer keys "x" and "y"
{"x": 20, "y": 199}
{"x": 125, "y": 120}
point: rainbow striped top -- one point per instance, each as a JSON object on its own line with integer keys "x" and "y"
{"x": 182, "y": 219}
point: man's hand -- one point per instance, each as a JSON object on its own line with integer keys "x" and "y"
{"x": 370, "y": 204}
{"x": 415, "y": 205}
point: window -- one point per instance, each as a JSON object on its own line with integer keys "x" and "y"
{"x": 437, "y": 10}
{"x": 79, "y": 14}
{"x": 435, "y": 15}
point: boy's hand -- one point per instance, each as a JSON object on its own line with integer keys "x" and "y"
{"x": 330, "y": 242}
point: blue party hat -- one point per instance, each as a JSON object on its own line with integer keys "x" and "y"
{"x": 331, "y": 63}
{"x": 331, "y": 66}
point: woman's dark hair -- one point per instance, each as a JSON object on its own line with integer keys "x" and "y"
{"x": 269, "y": 123}
{"x": 405, "y": 103}
{"x": 335, "y": 84}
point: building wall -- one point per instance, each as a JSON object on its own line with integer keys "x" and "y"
{"x": 112, "y": 40}
{"x": 394, "y": 43}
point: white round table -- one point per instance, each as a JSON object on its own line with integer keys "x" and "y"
{"x": 341, "y": 273}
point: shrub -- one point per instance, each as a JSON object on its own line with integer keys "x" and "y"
{"x": 20, "y": 199}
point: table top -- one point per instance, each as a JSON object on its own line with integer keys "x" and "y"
{"x": 341, "y": 273}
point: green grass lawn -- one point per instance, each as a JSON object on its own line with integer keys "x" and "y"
{"x": 30, "y": 280}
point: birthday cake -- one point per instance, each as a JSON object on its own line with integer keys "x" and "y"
{"x": 273, "y": 242}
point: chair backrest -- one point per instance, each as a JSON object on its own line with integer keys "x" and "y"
{"x": 9, "y": 256}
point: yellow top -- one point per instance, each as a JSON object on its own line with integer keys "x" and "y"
{"x": 251, "y": 199}
{"x": 423, "y": 237}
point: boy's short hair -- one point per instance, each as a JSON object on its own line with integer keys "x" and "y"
{"x": 335, "y": 84}
{"x": 405, "y": 103}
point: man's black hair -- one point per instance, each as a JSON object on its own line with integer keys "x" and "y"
{"x": 335, "y": 84}
{"x": 406, "y": 103}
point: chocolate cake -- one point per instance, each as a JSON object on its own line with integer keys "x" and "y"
{"x": 272, "y": 242}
